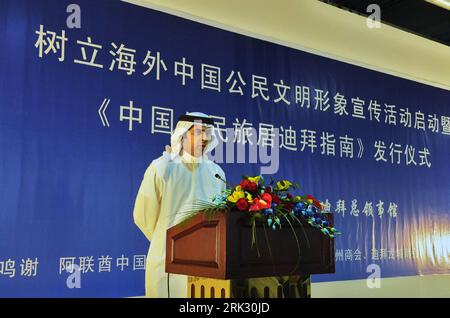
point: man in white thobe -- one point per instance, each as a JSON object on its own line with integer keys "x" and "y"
{"x": 172, "y": 182}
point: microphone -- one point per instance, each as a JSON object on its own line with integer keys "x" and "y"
{"x": 221, "y": 179}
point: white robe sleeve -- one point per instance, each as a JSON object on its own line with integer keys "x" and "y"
{"x": 221, "y": 173}
{"x": 148, "y": 202}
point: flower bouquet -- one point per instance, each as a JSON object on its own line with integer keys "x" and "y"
{"x": 270, "y": 203}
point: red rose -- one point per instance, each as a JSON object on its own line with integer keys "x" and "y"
{"x": 251, "y": 187}
{"x": 244, "y": 184}
{"x": 268, "y": 189}
{"x": 242, "y": 204}
{"x": 289, "y": 196}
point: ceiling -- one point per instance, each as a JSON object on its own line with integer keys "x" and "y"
{"x": 419, "y": 17}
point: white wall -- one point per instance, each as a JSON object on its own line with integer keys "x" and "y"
{"x": 319, "y": 28}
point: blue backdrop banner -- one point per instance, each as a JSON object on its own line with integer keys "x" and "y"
{"x": 84, "y": 110}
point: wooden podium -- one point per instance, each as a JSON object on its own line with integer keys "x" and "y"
{"x": 217, "y": 255}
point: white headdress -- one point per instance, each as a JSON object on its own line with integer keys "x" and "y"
{"x": 185, "y": 122}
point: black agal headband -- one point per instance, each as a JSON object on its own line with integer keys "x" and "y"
{"x": 195, "y": 119}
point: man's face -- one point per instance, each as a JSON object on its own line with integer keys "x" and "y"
{"x": 196, "y": 139}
